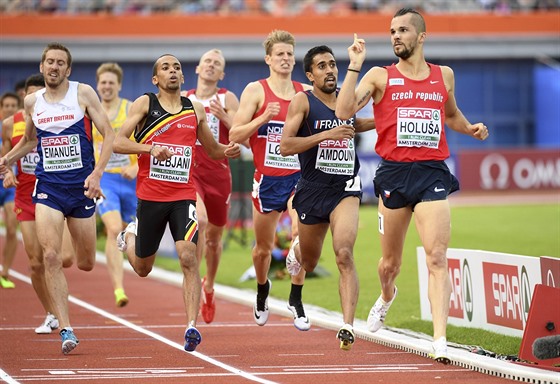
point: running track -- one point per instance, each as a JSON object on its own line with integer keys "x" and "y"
{"x": 142, "y": 343}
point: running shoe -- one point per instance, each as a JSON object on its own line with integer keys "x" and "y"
{"x": 346, "y": 337}
{"x": 121, "y": 299}
{"x": 301, "y": 321}
{"x": 260, "y": 310}
{"x": 69, "y": 340}
{"x": 208, "y": 305}
{"x": 377, "y": 314}
{"x": 192, "y": 338}
{"x": 50, "y": 323}
{"x": 439, "y": 351}
{"x": 121, "y": 240}
{"x": 6, "y": 283}
{"x": 293, "y": 266}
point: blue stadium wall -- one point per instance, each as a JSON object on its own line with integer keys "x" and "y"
{"x": 498, "y": 92}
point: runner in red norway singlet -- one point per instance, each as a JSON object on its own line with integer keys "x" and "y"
{"x": 265, "y": 142}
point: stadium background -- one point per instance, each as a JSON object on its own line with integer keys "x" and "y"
{"x": 506, "y": 64}
{"x": 501, "y": 60}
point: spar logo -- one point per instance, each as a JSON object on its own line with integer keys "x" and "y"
{"x": 508, "y": 294}
{"x": 461, "y": 302}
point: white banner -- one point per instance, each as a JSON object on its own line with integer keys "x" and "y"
{"x": 490, "y": 290}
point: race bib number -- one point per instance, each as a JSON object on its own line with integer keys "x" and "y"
{"x": 418, "y": 127}
{"x": 214, "y": 125}
{"x": 61, "y": 153}
{"x": 336, "y": 157}
{"x": 118, "y": 160}
{"x": 273, "y": 158}
{"x": 176, "y": 169}
{"x": 29, "y": 162}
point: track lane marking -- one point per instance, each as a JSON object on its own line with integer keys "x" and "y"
{"x": 128, "y": 324}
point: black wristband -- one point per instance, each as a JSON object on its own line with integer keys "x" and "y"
{"x": 353, "y": 70}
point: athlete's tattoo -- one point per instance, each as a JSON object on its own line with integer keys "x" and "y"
{"x": 364, "y": 98}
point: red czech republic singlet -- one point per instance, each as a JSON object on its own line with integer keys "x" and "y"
{"x": 410, "y": 117}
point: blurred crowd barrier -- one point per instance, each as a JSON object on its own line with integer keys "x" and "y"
{"x": 274, "y": 7}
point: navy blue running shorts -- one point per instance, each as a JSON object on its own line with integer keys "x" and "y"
{"x": 314, "y": 202}
{"x": 402, "y": 184}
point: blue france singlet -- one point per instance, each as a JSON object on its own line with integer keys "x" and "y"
{"x": 332, "y": 161}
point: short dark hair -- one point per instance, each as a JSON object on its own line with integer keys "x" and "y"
{"x": 19, "y": 85}
{"x": 8, "y": 95}
{"x": 36, "y": 80}
{"x": 155, "y": 67}
{"x": 54, "y": 46}
{"x": 417, "y": 18}
{"x": 308, "y": 58}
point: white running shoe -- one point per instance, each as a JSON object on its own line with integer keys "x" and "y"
{"x": 346, "y": 337}
{"x": 260, "y": 309}
{"x": 439, "y": 351}
{"x": 301, "y": 321}
{"x": 378, "y": 312}
{"x": 121, "y": 240}
{"x": 293, "y": 266}
{"x": 50, "y": 323}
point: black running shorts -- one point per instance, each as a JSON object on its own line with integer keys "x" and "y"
{"x": 153, "y": 217}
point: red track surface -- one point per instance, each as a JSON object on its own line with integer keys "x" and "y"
{"x": 142, "y": 343}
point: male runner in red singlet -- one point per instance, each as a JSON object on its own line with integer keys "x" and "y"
{"x": 212, "y": 177}
{"x": 260, "y": 118}
{"x": 412, "y": 101}
{"x": 166, "y": 127}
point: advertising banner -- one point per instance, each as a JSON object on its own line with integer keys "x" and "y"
{"x": 490, "y": 290}
{"x": 515, "y": 169}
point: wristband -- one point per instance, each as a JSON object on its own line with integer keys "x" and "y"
{"x": 354, "y": 70}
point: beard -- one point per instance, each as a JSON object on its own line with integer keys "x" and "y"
{"x": 404, "y": 53}
{"x": 173, "y": 86}
{"x": 328, "y": 89}
{"x": 54, "y": 82}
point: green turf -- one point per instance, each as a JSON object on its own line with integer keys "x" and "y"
{"x": 531, "y": 230}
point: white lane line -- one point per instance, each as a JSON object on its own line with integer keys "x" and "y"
{"x": 129, "y": 358}
{"x": 7, "y": 378}
{"x": 153, "y": 335}
{"x": 165, "y": 326}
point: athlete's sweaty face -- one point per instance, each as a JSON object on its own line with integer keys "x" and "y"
{"x": 55, "y": 67}
{"x": 169, "y": 74}
{"x": 281, "y": 58}
{"x": 324, "y": 72}
{"x": 108, "y": 86}
{"x": 211, "y": 66}
{"x": 9, "y": 106}
{"x": 404, "y": 36}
